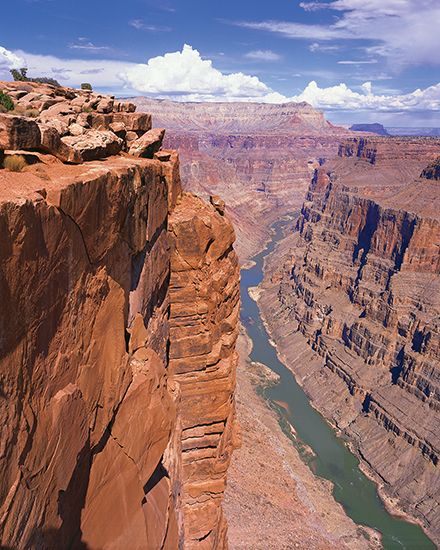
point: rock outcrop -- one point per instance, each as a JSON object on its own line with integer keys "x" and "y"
{"x": 250, "y": 154}
{"x": 356, "y": 311}
{"x": 116, "y": 383}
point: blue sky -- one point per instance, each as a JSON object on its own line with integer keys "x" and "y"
{"x": 358, "y": 60}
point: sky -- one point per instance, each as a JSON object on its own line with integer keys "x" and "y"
{"x": 357, "y": 60}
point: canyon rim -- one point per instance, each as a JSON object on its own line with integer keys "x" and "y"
{"x": 220, "y": 275}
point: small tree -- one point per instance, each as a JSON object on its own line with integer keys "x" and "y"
{"x": 20, "y": 75}
{"x": 86, "y": 86}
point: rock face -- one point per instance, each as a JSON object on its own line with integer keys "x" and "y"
{"x": 248, "y": 153}
{"x": 205, "y": 304}
{"x": 116, "y": 385}
{"x": 356, "y": 310}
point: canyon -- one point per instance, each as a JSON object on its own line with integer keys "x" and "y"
{"x": 346, "y": 325}
{"x": 258, "y": 157}
{"x": 123, "y": 361}
{"x": 352, "y": 301}
{"x": 120, "y": 302}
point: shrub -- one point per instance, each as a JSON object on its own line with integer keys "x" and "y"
{"x": 20, "y": 75}
{"x": 15, "y": 163}
{"x": 6, "y": 101}
{"x": 86, "y": 86}
{"x": 47, "y": 80}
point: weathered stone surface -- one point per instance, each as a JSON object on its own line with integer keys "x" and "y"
{"x": 134, "y": 122}
{"x": 218, "y": 203}
{"x": 432, "y": 172}
{"x": 204, "y": 288}
{"x": 93, "y": 145}
{"x": 355, "y": 310}
{"x": 18, "y": 133}
{"x": 94, "y": 418}
{"x": 147, "y": 145}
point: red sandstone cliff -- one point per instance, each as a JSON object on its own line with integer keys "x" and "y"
{"x": 116, "y": 382}
{"x": 356, "y": 311}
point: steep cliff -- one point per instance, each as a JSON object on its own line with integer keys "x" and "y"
{"x": 254, "y": 154}
{"x": 116, "y": 385}
{"x": 356, "y": 311}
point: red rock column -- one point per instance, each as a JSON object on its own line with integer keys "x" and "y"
{"x": 204, "y": 297}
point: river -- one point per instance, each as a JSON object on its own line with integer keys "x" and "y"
{"x": 327, "y": 454}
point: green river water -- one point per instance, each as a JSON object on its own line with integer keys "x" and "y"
{"x": 331, "y": 458}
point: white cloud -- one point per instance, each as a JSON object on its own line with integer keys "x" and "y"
{"x": 263, "y": 55}
{"x": 186, "y": 74}
{"x": 85, "y": 45}
{"x": 403, "y": 31}
{"x": 296, "y": 30}
{"x": 358, "y": 62}
{"x": 341, "y": 97}
{"x": 9, "y": 60}
{"x": 140, "y": 25}
{"x": 316, "y": 47}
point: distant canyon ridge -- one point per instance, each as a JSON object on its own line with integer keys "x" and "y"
{"x": 258, "y": 157}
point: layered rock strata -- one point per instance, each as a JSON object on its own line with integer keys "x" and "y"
{"x": 259, "y": 157}
{"x": 356, "y": 309}
{"x": 116, "y": 402}
{"x": 205, "y": 303}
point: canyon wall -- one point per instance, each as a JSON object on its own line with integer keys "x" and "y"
{"x": 258, "y": 157}
{"x": 117, "y": 333}
{"x": 355, "y": 311}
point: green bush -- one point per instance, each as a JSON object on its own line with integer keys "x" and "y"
{"x": 86, "y": 86}
{"x": 6, "y": 101}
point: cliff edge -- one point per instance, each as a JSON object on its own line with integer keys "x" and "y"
{"x": 118, "y": 326}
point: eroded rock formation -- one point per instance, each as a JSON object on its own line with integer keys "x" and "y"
{"x": 258, "y": 157}
{"x": 116, "y": 384}
{"x": 356, "y": 311}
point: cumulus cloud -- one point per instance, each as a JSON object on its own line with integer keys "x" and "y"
{"x": 186, "y": 74}
{"x": 403, "y": 31}
{"x": 9, "y": 60}
{"x": 263, "y": 55}
{"x": 341, "y": 97}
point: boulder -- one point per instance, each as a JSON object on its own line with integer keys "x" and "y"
{"x": 147, "y": 145}
{"x": 218, "y": 203}
{"x": 76, "y": 129}
{"x": 119, "y": 129}
{"x": 94, "y": 145}
{"x": 60, "y": 126}
{"x": 105, "y": 105}
{"x": 52, "y": 143}
{"x": 18, "y": 132}
{"x": 134, "y": 122}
